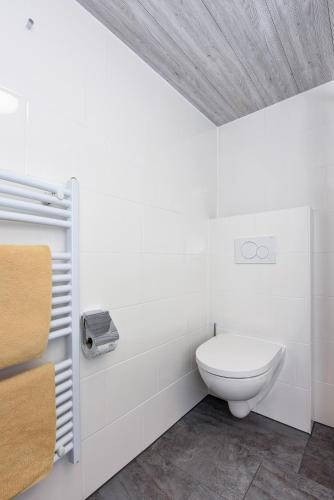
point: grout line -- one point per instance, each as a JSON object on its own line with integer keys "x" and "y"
{"x": 141, "y": 405}
{"x": 184, "y": 336}
{"x": 250, "y": 485}
{"x": 307, "y": 442}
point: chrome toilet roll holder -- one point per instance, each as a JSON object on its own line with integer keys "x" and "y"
{"x": 99, "y": 333}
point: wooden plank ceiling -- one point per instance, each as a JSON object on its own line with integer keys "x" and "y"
{"x": 228, "y": 57}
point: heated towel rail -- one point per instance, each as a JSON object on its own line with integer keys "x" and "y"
{"x": 28, "y": 200}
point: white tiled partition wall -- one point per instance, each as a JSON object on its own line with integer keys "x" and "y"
{"x": 269, "y": 301}
{"x": 146, "y": 163}
{"x": 283, "y": 157}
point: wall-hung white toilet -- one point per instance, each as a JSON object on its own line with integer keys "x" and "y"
{"x": 239, "y": 369}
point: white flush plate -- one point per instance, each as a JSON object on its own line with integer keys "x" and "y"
{"x": 255, "y": 250}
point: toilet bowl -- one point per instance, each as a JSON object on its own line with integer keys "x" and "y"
{"x": 241, "y": 370}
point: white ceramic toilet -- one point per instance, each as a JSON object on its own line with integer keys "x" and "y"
{"x": 239, "y": 369}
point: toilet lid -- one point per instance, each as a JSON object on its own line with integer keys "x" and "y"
{"x": 234, "y": 356}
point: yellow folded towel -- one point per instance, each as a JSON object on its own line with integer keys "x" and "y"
{"x": 25, "y": 302}
{"x": 27, "y": 429}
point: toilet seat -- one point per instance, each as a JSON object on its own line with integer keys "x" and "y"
{"x": 235, "y": 356}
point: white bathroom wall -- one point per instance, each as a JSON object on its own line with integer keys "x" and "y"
{"x": 146, "y": 162}
{"x": 269, "y": 301}
{"x": 283, "y": 157}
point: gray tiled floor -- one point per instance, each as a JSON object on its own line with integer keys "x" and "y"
{"x": 210, "y": 455}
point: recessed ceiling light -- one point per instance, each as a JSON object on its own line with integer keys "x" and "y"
{"x": 8, "y": 103}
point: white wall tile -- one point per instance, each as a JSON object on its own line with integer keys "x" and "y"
{"x": 107, "y": 451}
{"x": 288, "y": 404}
{"x": 323, "y": 353}
{"x": 163, "y": 275}
{"x": 296, "y": 369}
{"x": 197, "y": 311}
{"x": 323, "y": 274}
{"x": 291, "y": 228}
{"x": 227, "y": 229}
{"x": 163, "y": 231}
{"x": 63, "y": 482}
{"x": 93, "y": 404}
{"x": 170, "y": 405}
{"x": 42, "y": 48}
{"x": 54, "y": 144}
{"x": 288, "y": 277}
{"x": 323, "y": 317}
{"x": 173, "y": 361}
{"x": 122, "y": 232}
{"x": 329, "y": 183}
{"x": 323, "y": 403}
{"x": 196, "y": 235}
{"x": 13, "y": 133}
{"x": 96, "y": 103}
{"x": 196, "y": 273}
{"x": 196, "y": 338}
{"x": 292, "y": 318}
{"x": 110, "y": 280}
{"x": 130, "y": 383}
{"x": 163, "y": 321}
{"x": 323, "y": 231}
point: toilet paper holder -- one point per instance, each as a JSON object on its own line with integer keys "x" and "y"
{"x": 99, "y": 333}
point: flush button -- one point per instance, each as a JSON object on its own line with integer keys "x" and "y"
{"x": 258, "y": 250}
{"x": 262, "y": 252}
{"x": 249, "y": 249}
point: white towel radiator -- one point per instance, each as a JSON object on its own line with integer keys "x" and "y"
{"x": 33, "y": 201}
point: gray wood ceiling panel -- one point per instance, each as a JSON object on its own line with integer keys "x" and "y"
{"x": 331, "y": 15}
{"x": 305, "y": 30}
{"x": 248, "y": 24}
{"x": 199, "y": 36}
{"x": 228, "y": 57}
{"x": 132, "y": 24}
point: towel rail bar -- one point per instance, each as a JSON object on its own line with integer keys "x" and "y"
{"x": 64, "y": 429}
{"x": 62, "y": 299}
{"x": 64, "y": 397}
{"x": 34, "y": 207}
{"x": 50, "y": 199}
{"x": 60, "y": 410}
{"x": 34, "y": 183}
{"x": 64, "y": 440}
{"x": 55, "y": 323}
{"x": 61, "y": 289}
{"x": 59, "y": 311}
{"x": 63, "y": 365}
{"x": 66, "y": 450}
{"x": 61, "y": 267}
{"x": 36, "y": 219}
{"x": 63, "y": 332}
{"x": 63, "y": 419}
{"x": 63, "y": 376}
{"x": 63, "y": 386}
{"x": 61, "y": 256}
{"x": 61, "y": 278}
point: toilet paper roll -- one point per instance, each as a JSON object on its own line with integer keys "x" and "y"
{"x": 100, "y": 334}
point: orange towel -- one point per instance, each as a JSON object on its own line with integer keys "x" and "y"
{"x": 25, "y": 302}
{"x": 27, "y": 429}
